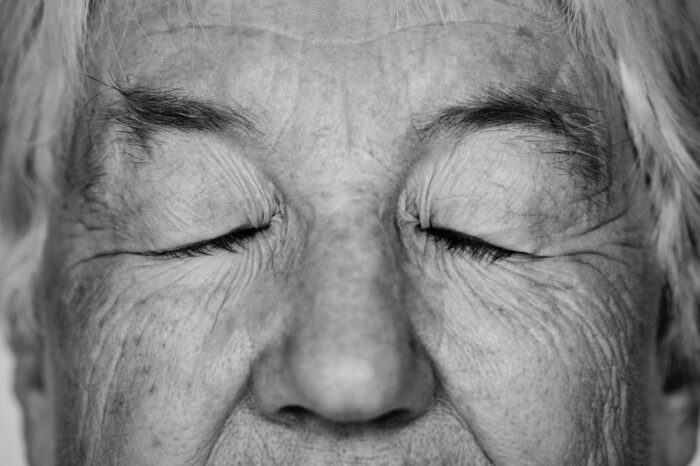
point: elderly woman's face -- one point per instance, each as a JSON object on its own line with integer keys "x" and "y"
{"x": 315, "y": 233}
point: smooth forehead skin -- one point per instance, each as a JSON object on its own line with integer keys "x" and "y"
{"x": 344, "y": 331}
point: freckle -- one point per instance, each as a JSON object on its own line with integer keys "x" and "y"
{"x": 152, "y": 389}
{"x": 524, "y": 31}
{"x": 156, "y": 443}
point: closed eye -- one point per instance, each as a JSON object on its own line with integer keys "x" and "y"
{"x": 233, "y": 241}
{"x": 462, "y": 243}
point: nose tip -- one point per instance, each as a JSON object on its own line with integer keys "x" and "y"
{"x": 364, "y": 385}
{"x": 357, "y": 387}
{"x": 348, "y": 390}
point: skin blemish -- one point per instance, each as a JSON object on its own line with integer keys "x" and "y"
{"x": 524, "y": 31}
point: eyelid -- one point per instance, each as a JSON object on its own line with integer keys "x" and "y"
{"x": 232, "y": 241}
{"x": 462, "y": 243}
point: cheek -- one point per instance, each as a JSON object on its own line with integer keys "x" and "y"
{"x": 555, "y": 352}
{"x": 153, "y": 356}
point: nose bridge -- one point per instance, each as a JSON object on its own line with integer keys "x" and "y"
{"x": 350, "y": 271}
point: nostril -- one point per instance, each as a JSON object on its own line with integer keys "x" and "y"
{"x": 295, "y": 414}
{"x": 393, "y": 419}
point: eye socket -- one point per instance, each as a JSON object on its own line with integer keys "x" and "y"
{"x": 233, "y": 241}
{"x": 463, "y": 244}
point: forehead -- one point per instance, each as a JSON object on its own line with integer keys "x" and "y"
{"x": 502, "y": 43}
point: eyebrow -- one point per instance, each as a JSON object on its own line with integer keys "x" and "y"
{"x": 145, "y": 111}
{"x": 555, "y": 115}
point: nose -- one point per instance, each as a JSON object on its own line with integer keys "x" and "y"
{"x": 348, "y": 353}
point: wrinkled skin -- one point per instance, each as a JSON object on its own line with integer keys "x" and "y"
{"x": 343, "y": 333}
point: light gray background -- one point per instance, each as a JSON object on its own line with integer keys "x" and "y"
{"x": 11, "y": 446}
{"x": 11, "y": 449}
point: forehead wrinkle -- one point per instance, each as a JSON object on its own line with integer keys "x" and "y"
{"x": 322, "y": 21}
{"x": 448, "y": 11}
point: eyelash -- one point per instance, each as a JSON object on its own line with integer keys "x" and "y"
{"x": 455, "y": 242}
{"x": 461, "y": 243}
{"x": 233, "y": 242}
